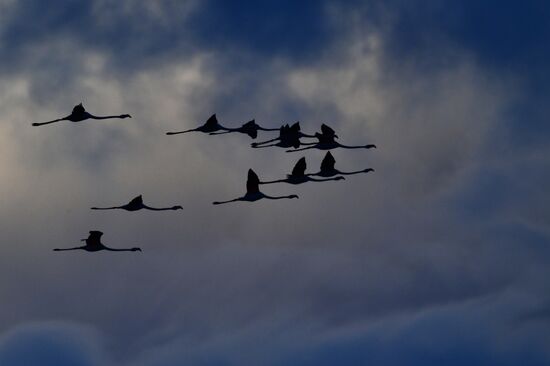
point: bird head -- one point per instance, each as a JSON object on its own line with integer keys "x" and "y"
{"x": 177, "y": 208}
{"x": 293, "y": 196}
{"x": 340, "y": 178}
{"x": 125, "y": 116}
{"x": 368, "y": 170}
{"x": 371, "y": 146}
{"x": 136, "y": 249}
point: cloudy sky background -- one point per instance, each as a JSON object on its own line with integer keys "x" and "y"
{"x": 439, "y": 257}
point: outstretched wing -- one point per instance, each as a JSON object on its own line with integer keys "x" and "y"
{"x": 300, "y": 167}
{"x": 250, "y": 124}
{"x": 212, "y": 121}
{"x": 326, "y": 130}
{"x": 328, "y": 162}
{"x": 295, "y": 127}
{"x": 78, "y": 109}
{"x": 136, "y": 201}
{"x": 94, "y": 239}
{"x": 252, "y": 182}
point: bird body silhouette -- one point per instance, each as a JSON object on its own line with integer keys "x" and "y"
{"x": 289, "y": 136}
{"x": 327, "y": 141}
{"x": 79, "y": 114}
{"x": 93, "y": 244}
{"x": 250, "y": 128}
{"x": 299, "y": 176}
{"x": 211, "y": 125}
{"x": 328, "y": 168}
{"x": 253, "y": 191}
{"x": 137, "y": 204}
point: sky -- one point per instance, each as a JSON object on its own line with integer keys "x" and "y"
{"x": 439, "y": 257}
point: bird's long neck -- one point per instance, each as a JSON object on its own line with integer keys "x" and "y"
{"x": 355, "y": 172}
{"x": 158, "y": 209}
{"x": 47, "y": 123}
{"x": 65, "y": 249}
{"x": 267, "y": 129}
{"x": 370, "y": 146}
{"x": 323, "y": 180}
{"x": 120, "y": 250}
{"x": 278, "y": 197}
{"x": 122, "y": 116}
{"x": 275, "y": 181}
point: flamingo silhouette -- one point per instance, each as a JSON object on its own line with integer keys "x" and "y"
{"x": 289, "y": 136}
{"x": 326, "y": 141}
{"x": 93, "y": 244}
{"x": 250, "y": 128}
{"x": 253, "y": 191}
{"x": 328, "y": 169}
{"x": 211, "y": 125}
{"x": 79, "y": 114}
{"x": 137, "y": 204}
{"x": 298, "y": 175}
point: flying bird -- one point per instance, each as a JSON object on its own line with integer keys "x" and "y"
{"x": 289, "y": 136}
{"x": 137, "y": 204}
{"x": 250, "y": 128}
{"x": 211, "y": 125}
{"x": 253, "y": 191}
{"x": 328, "y": 169}
{"x": 326, "y": 141}
{"x": 299, "y": 176}
{"x": 93, "y": 244}
{"x": 79, "y": 114}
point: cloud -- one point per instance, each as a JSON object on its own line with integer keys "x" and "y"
{"x": 438, "y": 227}
{"x": 49, "y": 344}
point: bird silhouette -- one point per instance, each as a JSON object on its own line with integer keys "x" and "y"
{"x": 79, "y": 114}
{"x": 299, "y": 176}
{"x": 137, "y": 204}
{"x": 289, "y": 136}
{"x": 93, "y": 244}
{"x": 326, "y": 141}
{"x": 328, "y": 169}
{"x": 211, "y": 125}
{"x": 253, "y": 191}
{"x": 250, "y": 128}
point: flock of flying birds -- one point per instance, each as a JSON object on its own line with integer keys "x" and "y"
{"x": 289, "y": 137}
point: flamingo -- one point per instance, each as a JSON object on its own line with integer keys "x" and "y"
{"x": 211, "y": 125}
{"x": 289, "y": 136}
{"x": 93, "y": 244}
{"x": 137, "y": 204}
{"x": 250, "y": 128}
{"x": 253, "y": 191}
{"x": 328, "y": 169}
{"x": 298, "y": 175}
{"x": 326, "y": 141}
{"x": 79, "y": 114}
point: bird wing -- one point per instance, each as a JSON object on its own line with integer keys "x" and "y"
{"x": 300, "y": 167}
{"x": 252, "y": 182}
{"x": 78, "y": 109}
{"x": 94, "y": 238}
{"x": 136, "y": 201}
{"x": 212, "y": 121}
{"x": 295, "y": 127}
{"x": 250, "y": 124}
{"x": 328, "y": 162}
{"x": 326, "y": 130}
